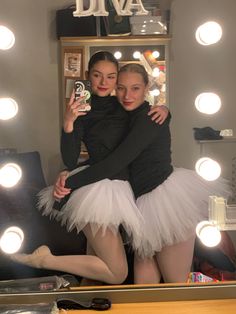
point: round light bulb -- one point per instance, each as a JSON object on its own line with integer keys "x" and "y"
{"x": 117, "y": 55}
{"x": 7, "y": 38}
{"x": 8, "y": 108}
{"x": 208, "y": 33}
{"x": 208, "y": 103}
{"x": 136, "y": 55}
{"x": 11, "y": 240}
{"x": 10, "y": 174}
{"x": 208, "y": 168}
{"x": 208, "y": 233}
{"x": 155, "y": 92}
{"x": 156, "y": 54}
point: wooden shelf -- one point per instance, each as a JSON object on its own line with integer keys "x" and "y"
{"x": 160, "y": 39}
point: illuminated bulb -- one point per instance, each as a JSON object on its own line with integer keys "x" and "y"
{"x": 11, "y": 240}
{"x": 117, "y": 55}
{"x": 10, "y": 174}
{"x": 208, "y": 33}
{"x": 208, "y": 103}
{"x": 136, "y": 55}
{"x": 208, "y": 168}
{"x": 156, "y": 54}
{"x": 155, "y": 92}
{"x": 8, "y": 108}
{"x": 155, "y": 72}
{"x": 208, "y": 233}
{"x": 7, "y": 38}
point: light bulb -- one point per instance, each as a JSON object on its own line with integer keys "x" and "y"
{"x": 155, "y": 72}
{"x": 10, "y": 174}
{"x": 208, "y": 233}
{"x": 136, "y": 55}
{"x": 208, "y": 168}
{"x": 11, "y": 240}
{"x": 8, "y": 108}
{"x": 208, "y": 33}
{"x": 208, "y": 103}
{"x": 117, "y": 55}
{"x": 7, "y": 38}
{"x": 155, "y": 92}
{"x": 156, "y": 54}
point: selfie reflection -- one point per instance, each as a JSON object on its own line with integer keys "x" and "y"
{"x": 121, "y": 204}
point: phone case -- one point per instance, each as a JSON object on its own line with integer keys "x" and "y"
{"x": 83, "y": 89}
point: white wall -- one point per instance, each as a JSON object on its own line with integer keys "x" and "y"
{"x": 30, "y": 73}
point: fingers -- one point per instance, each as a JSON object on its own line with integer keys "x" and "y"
{"x": 77, "y": 105}
{"x": 158, "y": 117}
{"x": 59, "y": 188}
{"x": 72, "y": 97}
{"x": 158, "y": 114}
{"x": 60, "y": 192}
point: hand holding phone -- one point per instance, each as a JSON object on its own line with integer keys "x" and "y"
{"x": 83, "y": 90}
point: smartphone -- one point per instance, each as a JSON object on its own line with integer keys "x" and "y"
{"x": 83, "y": 89}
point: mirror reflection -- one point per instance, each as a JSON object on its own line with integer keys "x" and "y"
{"x": 37, "y": 128}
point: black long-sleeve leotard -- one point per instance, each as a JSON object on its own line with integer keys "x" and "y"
{"x": 146, "y": 149}
{"x": 102, "y": 130}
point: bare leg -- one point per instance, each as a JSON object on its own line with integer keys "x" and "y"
{"x": 146, "y": 271}
{"x": 109, "y": 265}
{"x": 86, "y": 281}
{"x": 175, "y": 261}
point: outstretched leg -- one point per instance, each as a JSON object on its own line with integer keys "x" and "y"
{"x": 109, "y": 265}
{"x": 146, "y": 271}
{"x": 175, "y": 261}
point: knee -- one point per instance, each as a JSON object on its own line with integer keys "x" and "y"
{"x": 119, "y": 275}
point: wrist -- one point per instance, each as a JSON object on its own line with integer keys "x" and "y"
{"x": 68, "y": 126}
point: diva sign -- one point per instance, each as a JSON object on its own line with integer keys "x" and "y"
{"x": 98, "y": 8}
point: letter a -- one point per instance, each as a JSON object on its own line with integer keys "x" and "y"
{"x": 137, "y": 6}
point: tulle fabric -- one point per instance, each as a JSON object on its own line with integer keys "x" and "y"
{"x": 104, "y": 204}
{"x": 172, "y": 210}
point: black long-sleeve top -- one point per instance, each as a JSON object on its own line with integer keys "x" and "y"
{"x": 102, "y": 130}
{"x": 146, "y": 149}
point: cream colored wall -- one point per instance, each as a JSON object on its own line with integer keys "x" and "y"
{"x": 30, "y": 73}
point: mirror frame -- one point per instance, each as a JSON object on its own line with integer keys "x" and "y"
{"x": 80, "y": 48}
{"x": 130, "y": 293}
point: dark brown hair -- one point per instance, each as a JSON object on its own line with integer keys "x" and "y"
{"x": 102, "y": 56}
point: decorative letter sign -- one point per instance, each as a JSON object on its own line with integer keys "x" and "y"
{"x": 97, "y": 8}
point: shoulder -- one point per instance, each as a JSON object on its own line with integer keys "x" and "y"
{"x": 143, "y": 121}
{"x": 140, "y": 114}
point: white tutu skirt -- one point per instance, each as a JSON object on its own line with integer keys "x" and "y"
{"x": 104, "y": 204}
{"x": 172, "y": 210}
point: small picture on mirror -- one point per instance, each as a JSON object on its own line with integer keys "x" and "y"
{"x": 72, "y": 64}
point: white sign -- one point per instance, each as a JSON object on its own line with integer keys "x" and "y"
{"x": 97, "y": 8}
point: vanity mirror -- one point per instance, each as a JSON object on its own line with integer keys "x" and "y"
{"x": 29, "y": 73}
{"x": 76, "y": 51}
